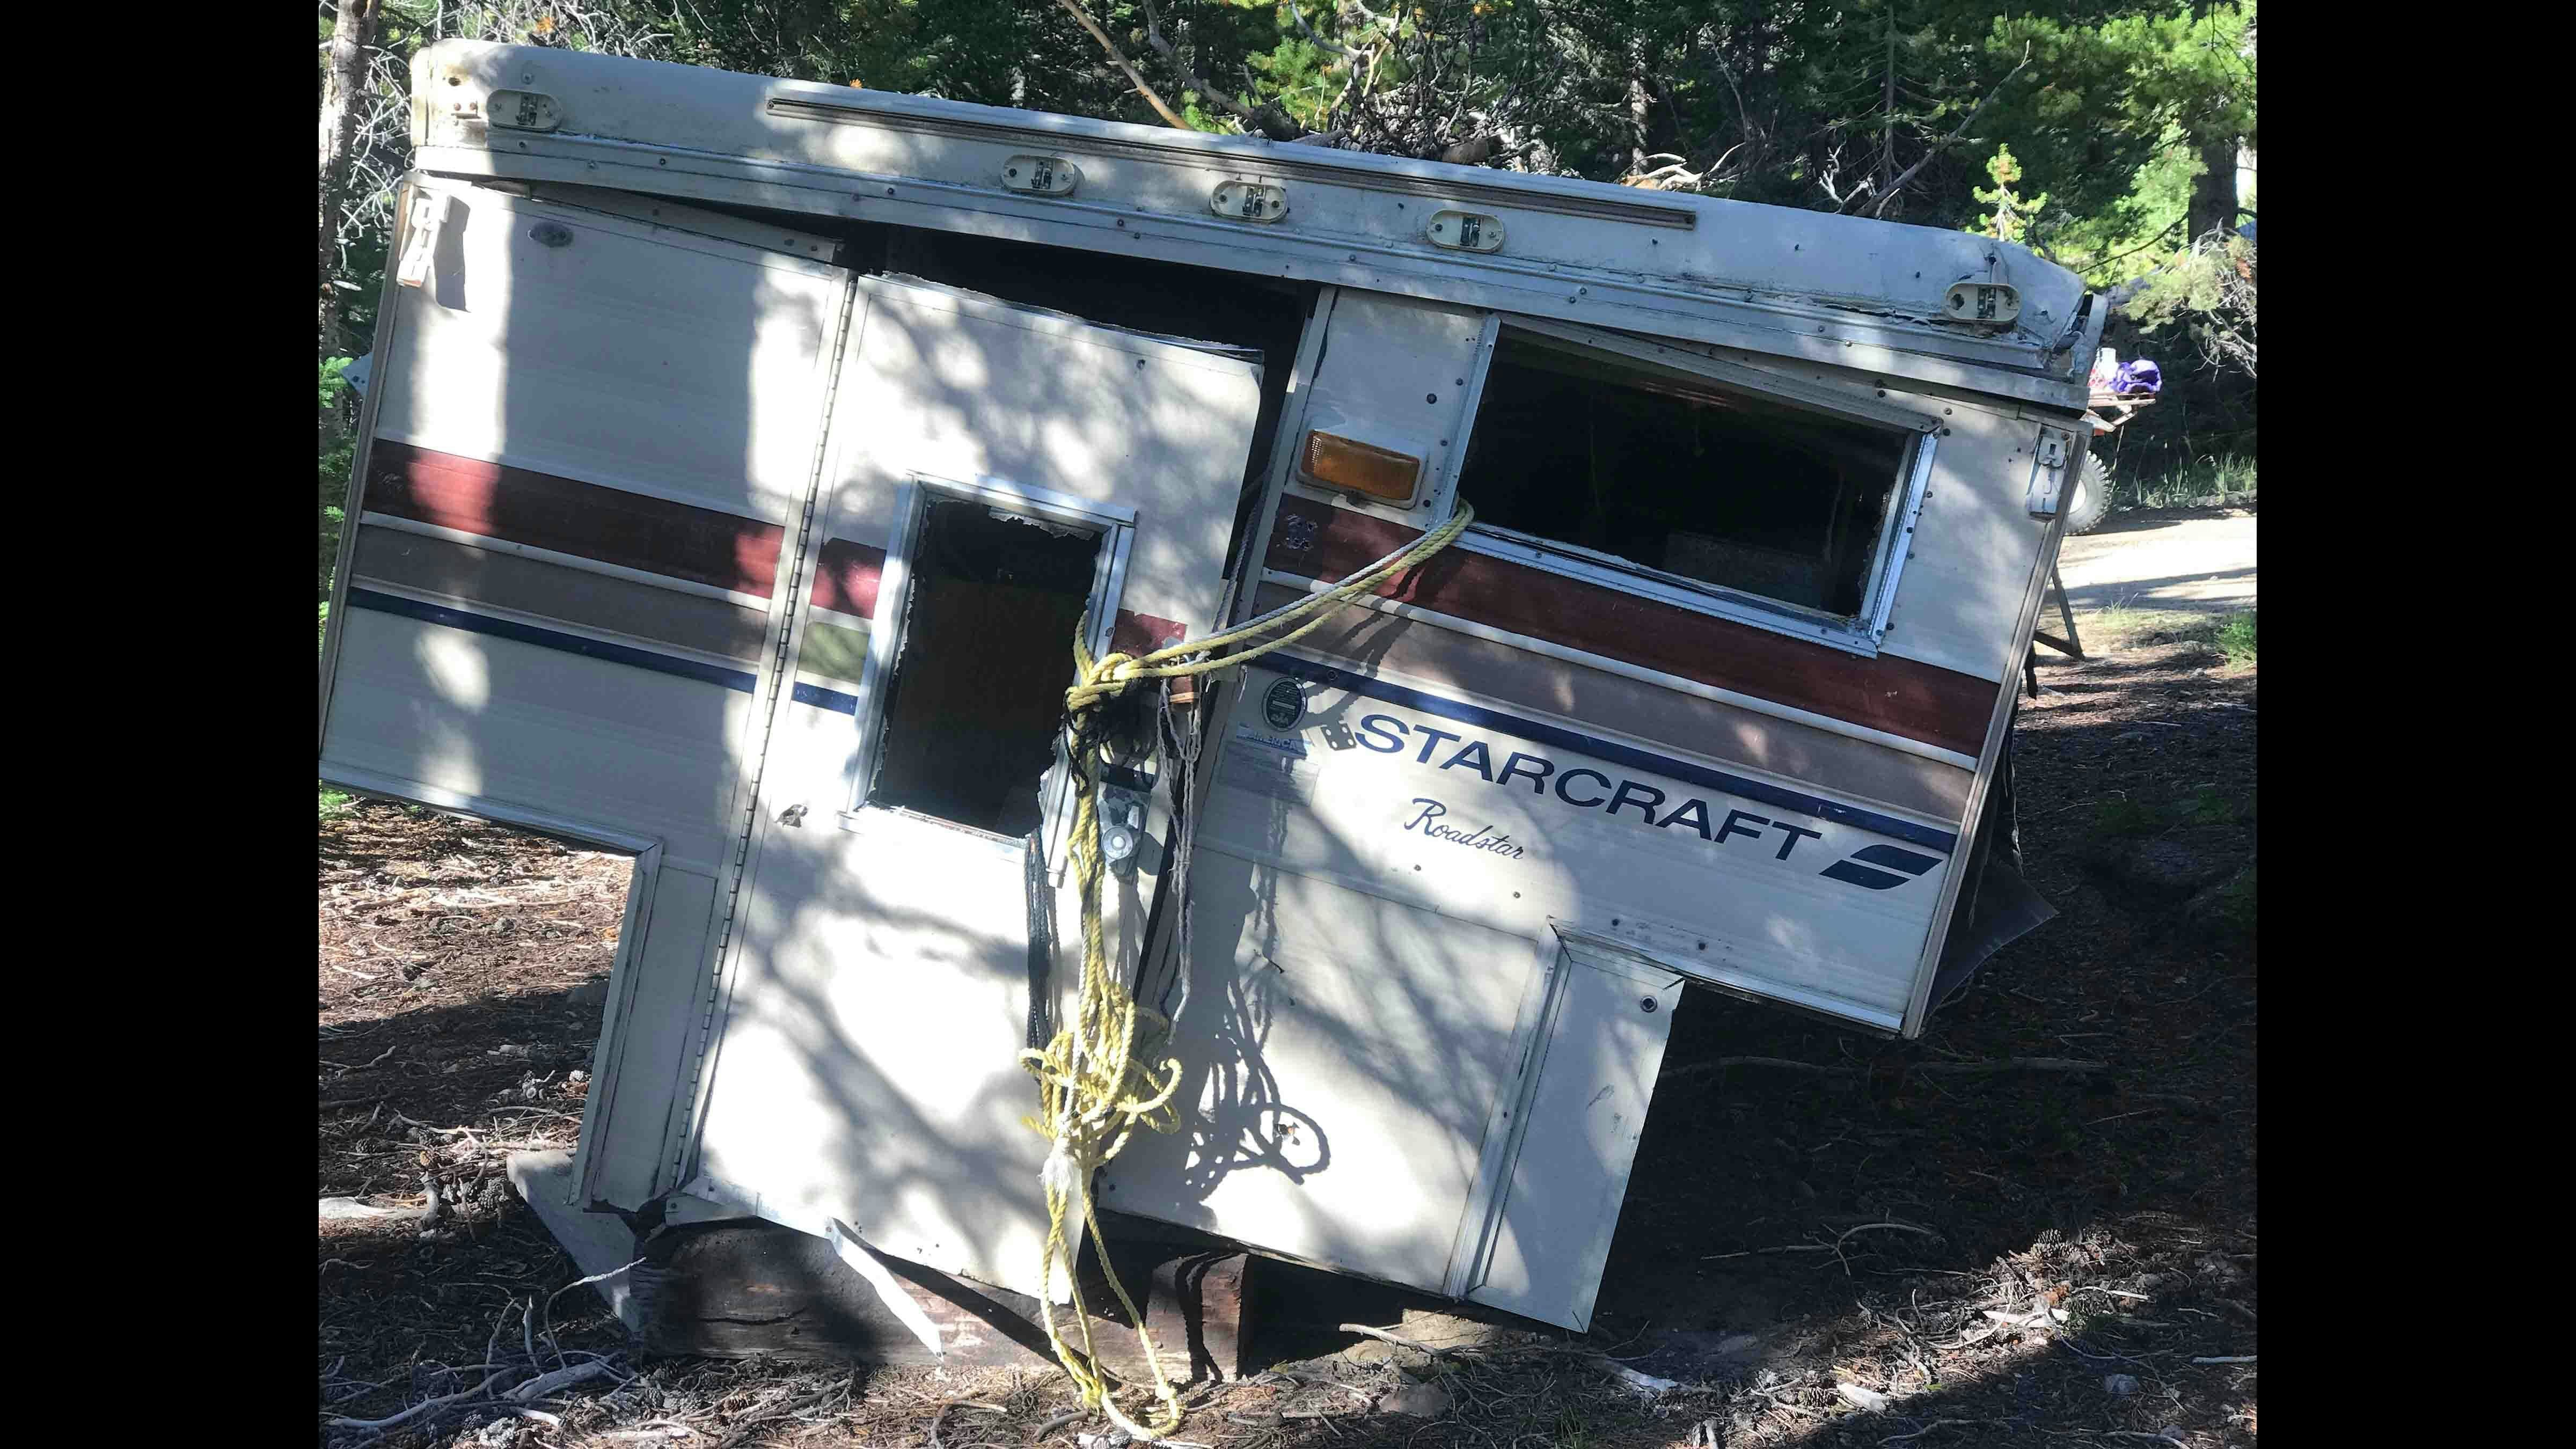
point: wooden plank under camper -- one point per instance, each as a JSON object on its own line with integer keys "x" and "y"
{"x": 746, "y": 1288}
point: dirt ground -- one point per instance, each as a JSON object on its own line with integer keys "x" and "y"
{"x": 2193, "y": 559}
{"x": 2036, "y": 1226}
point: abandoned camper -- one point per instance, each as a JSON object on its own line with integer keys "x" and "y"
{"x": 758, "y": 477}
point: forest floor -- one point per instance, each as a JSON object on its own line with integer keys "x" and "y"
{"x": 2035, "y": 1226}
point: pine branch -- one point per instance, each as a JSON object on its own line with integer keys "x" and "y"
{"x": 1910, "y": 172}
{"x": 1170, "y": 117}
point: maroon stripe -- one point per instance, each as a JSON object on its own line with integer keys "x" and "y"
{"x": 1141, "y": 634}
{"x": 846, "y": 577}
{"x": 1901, "y": 696}
{"x": 542, "y": 510}
{"x": 612, "y": 525}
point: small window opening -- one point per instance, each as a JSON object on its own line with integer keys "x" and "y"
{"x": 977, "y": 689}
{"x": 1705, "y": 482}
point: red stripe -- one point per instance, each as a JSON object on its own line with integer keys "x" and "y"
{"x": 565, "y": 515}
{"x": 846, "y": 577}
{"x": 1901, "y": 696}
{"x": 1141, "y": 634}
{"x": 612, "y": 525}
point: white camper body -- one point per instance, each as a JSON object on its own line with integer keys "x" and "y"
{"x": 715, "y": 506}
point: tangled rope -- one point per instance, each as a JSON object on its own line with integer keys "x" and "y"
{"x": 1093, "y": 1091}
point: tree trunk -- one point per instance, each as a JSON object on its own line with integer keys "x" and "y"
{"x": 1887, "y": 115}
{"x": 352, "y": 35}
{"x": 2213, "y": 192}
{"x": 1640, "y": 103}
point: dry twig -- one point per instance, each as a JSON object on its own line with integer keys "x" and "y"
{"x": 1383, "y": 1336}
{"x": 954, "y": 1404}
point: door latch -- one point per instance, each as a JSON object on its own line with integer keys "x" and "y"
{"x": 2048, "y": 473}
{"x": 1122, "y": 826}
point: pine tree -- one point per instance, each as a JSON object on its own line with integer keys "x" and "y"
{"x": 2010, "y": 219}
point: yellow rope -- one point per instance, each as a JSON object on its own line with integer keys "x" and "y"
{"x": 1092, "y": 1091}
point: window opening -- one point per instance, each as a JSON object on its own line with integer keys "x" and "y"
{"x": 984, "y": 656}
{"x": 1709, "y": 483}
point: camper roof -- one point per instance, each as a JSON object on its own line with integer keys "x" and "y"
{"x": 1842, "y": 290}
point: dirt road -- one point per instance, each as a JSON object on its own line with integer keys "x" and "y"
{"x": 2196, "y": 561}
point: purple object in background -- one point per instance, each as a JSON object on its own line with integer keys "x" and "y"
{"x": 2137, "y": 377}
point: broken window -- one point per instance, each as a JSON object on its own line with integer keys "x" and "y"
{"x": 1678, "y": 474}
{"x": 984, "y": 654}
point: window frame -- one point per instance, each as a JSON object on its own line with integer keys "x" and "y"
{"x": 1115, "y": 526}
{"x": 1861, "y": 633}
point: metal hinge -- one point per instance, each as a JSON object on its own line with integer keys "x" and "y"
{"x": 792, "y": 579}
{"x": 421, "y": 240}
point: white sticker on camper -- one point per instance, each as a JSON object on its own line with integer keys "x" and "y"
{"x": 1284, "y": 744}
{"x": 1490, "y": 817}
{"x": 1271, "y": 766}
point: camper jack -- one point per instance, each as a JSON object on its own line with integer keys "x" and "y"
{"x": 745, "y": 458}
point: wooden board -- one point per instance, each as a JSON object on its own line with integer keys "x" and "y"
{"x": 743, "y": 1288}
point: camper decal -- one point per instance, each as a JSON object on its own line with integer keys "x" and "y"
{"x": 1868, "y": 877}
{"x": 1284, "y": 705}
{"x": 1582, "y": 787}
{"x": 1427, "y": 820}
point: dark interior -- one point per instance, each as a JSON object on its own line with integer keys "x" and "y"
{"x": 1686, "y": 477}
{"x": 988, "y": 627}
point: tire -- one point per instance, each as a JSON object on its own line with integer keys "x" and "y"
{"x": 2091, "y": 501}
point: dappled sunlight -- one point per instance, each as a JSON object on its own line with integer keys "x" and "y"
{"x": 456, "y": 669}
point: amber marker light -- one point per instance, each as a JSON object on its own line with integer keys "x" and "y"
{"x": 1338, "y": 462}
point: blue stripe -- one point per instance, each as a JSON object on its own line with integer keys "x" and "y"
{"x": 831, "y": 699}
{"x": 1529, "y": 729}
{"x": 815, "y": 695}
{"x": 550, "y": 639}
{"x": 1895, "y": 859}
{"x": 1861, "y": 875}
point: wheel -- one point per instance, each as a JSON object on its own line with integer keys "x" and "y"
{"x": 2090, "y": 501}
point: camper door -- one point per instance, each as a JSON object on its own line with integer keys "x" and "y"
{"x": 1002, "y": 477}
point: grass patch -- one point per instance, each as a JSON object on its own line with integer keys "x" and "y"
{"x": 2119, "y": 818}
{"x": 2125, "y": 818}
{"x": 2234, "y": 905}
{"x": 2227, "y": 477}
{"x": 2123, "y": 626}
{"x": 336, "y": 803}
{"x": 2235, "y": 639}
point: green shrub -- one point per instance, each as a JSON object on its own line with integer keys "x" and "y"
{"x": 338, "y": 448}
{"x": 2235, "y": 639}
{"x": 2228, "y": 477}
